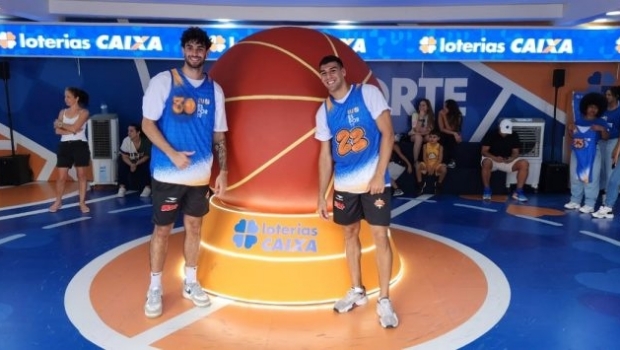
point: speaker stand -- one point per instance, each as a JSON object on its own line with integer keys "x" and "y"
{"x": 555, "y": 121}
{"x": 14, "y": 169}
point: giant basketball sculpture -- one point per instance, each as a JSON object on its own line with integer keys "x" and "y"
{"x": 263, "y": 241}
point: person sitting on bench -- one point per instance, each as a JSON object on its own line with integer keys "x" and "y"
{"x": 500, "y": 151}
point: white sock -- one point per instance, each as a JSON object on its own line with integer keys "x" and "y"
{"x": 190, "y": 274}
{"x": 155, "y": 280}
{"x": 357, "y": 289}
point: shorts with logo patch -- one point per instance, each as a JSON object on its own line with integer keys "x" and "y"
{"x": 169, "y": 199}
{"x": 350, "y": 208}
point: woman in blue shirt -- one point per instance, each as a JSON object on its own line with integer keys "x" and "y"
{"x": 612, "y": 117}
{"x": 613, "y": 182}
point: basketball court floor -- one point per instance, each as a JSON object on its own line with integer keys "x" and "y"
{"x": 476, "y": 275}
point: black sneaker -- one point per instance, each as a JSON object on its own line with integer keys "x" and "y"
{"x": 421, "y": 187}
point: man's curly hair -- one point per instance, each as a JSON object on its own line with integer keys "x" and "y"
{"x": 197, "y": 35}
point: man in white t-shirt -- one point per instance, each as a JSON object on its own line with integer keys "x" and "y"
{"x": 354, "y": 126}
{"x": 184, "y": 118}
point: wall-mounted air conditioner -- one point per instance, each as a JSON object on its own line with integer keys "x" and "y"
{"x": 103, "y": 143}
{"x": 531, "y": 133}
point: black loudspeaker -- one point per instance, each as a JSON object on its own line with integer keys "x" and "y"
{"x": 15, "y": 170}
{"x": 554, "y": 177}
{"x": 558, "y": 77}
{"x": 5, "y": 72}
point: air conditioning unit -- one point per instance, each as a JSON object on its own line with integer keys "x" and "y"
{"x": 103, "y": 143}
{"x": 531, "y": 133}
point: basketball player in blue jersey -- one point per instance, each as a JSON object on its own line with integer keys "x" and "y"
{"x": 184, "y": 118}
{"x": 354, "y": 126}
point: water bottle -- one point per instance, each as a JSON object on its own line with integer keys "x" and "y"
{"x": 104, "y": 108}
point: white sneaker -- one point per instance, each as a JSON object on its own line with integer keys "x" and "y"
{"x": 604, "y": 212}
{"x": 354, "y": 297}
{"x": 146, "y": 192}
{"x": 153, "y": 306}
{"x": 572, "y": 205}
{"x": 387, "y": 316}
{"x": 586, "y": 209}
{"x": 195, "y": 293}
{"x": 121, "y": 192}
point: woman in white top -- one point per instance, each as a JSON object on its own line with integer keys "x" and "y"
{"x": 134, "y": 162}
{"x": 422, "y": 123}
{"x": 73, "y": 148}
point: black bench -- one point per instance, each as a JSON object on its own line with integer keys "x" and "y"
{"x": 465, "y": 179}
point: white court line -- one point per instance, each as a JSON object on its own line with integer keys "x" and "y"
{"x": 68, "y": 195}
{"x": 403, "y": 208}
{"x": 548, "y": 222}
{"x": 181, "y": 321}
{"x": 63, "y": 223}
{"x": 416, "y": 199}
{"x": 28, "y": 213}
{"x": 80, "y": 310}
{"x": 130, "y": 208}
{"x": 11, "y": 238}
{"x": 490, "y": 312}
{"x": 475, "y": 207}
{"x": 601, "y": 237}
{"x": 40, "y": 211}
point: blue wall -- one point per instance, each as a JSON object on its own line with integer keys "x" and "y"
{"x": 36, "y": 92}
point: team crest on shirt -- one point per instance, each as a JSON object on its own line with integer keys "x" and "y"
{"x": 379, "y": 203}
{"x": 351, "y": 116}
{"x": 579, "y": 143}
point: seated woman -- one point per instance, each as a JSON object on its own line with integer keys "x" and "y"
{"x": 134, "y": 162}
{"x": 422, "y": 123}
{"x": 450, "y": 124}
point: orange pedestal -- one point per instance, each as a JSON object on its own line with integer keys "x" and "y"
{"x": 281, "y": 259}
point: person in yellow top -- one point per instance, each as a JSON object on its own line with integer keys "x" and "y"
{"x": 432, "y": 163}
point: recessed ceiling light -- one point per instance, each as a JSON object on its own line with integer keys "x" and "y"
{"x": 224, "y": 20}
{"x": 613, "y": 13}
{"x": 344, "y": 21}
{"x": 601, "y": 20}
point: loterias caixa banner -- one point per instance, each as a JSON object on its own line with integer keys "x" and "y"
{"x": 492, "y": 44}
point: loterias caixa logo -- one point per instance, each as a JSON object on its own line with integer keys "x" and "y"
{"x": 251, "y": 234}
{"x": 431, "y": 44}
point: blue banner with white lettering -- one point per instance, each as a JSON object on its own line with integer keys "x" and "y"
{"x": 372, "y": 44}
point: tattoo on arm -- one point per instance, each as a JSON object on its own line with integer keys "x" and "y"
{"x": 220, "y": 149}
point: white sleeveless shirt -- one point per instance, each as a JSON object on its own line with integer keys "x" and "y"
{"x": 79, "y": 136}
